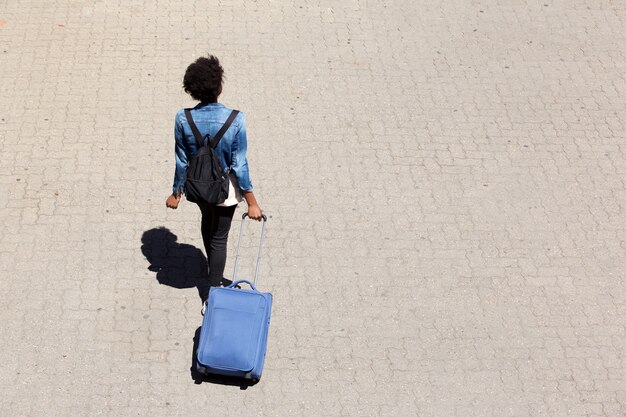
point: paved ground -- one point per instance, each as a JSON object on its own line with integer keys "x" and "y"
{"x": 446, "y": 186}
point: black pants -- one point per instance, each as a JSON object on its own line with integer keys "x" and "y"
{"x": 215, "y": 227}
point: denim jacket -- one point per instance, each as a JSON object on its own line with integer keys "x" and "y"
{"x": 231, "y": 149}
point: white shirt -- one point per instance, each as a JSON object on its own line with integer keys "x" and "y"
{"x": 234, "y": 195}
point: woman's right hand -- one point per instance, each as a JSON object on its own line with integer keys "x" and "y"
{"x": 255, "y": 212}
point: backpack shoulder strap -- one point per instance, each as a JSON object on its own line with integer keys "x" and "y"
{"x": 194, "y": 128}
{"x": 224, "y": 128}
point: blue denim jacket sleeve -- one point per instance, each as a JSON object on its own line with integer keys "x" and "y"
{"x": 180, "y": 153}
{"x": 239, "y": 162}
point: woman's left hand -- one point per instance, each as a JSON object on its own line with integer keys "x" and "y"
{"x": 172, "y": 201}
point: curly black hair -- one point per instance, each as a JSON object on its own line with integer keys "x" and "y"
{"x": 203, "y": 79}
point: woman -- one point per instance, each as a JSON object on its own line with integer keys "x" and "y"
{"x": 203, "y": 82}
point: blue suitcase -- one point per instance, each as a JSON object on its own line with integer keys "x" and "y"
{"x": 233, "y": 338}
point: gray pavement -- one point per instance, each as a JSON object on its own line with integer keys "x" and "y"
{"x": 446, "y": 186}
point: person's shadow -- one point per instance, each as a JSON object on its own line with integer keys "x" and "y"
{"x": 177, "y": 265}
{"x": 180, "y": 265}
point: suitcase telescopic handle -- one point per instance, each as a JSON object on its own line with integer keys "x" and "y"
{"x": 244, "y": 215}
{"x": 258, "y": 258}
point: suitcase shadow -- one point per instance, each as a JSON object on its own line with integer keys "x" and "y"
{"x": 177, "y": 265}
{"x": 199, "y": 378}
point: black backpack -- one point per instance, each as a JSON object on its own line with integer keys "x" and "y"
{"x": 206, "y": 180}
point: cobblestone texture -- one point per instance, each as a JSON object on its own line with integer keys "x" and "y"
{"x": 445, "y": 181}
